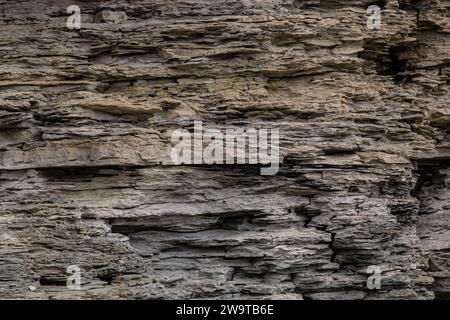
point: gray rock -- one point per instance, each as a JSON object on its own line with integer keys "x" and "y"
{"x": 86, "y": 177}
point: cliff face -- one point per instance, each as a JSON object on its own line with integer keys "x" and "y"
{"x": 86, "y": 177}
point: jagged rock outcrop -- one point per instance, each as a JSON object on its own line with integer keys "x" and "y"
{"x": 85, "y": 171}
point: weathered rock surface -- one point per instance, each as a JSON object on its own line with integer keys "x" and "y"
{"x": 86, "y": 177}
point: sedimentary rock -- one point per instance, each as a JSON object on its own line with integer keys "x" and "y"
{"x": 86, "y": 176}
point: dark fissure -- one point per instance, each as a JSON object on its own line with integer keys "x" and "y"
{"x": 433, "y": 226}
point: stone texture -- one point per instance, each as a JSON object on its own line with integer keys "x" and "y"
{"x": 85, "y": 170}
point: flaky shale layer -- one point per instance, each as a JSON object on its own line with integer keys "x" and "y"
{"x": 85, "y": 171}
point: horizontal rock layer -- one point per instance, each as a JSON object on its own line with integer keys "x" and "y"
{"x": 86, "y": 176}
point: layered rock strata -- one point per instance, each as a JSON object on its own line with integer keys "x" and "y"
{"x": 86, "y": 176}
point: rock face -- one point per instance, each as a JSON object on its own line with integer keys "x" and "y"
{"x": 86, "y": 176}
